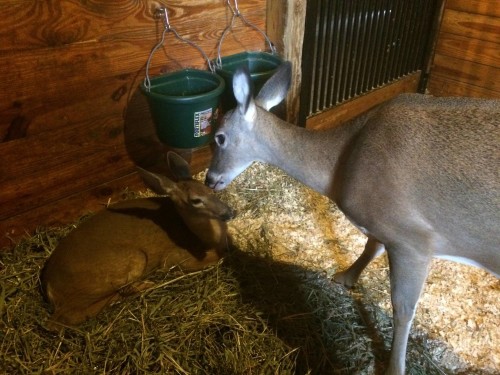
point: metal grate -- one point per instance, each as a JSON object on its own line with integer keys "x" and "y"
{"x": 354, "y": 46}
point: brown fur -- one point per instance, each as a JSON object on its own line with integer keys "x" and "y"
{"x": 109, "y": 255}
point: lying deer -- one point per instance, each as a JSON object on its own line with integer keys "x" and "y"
{"x": 108, "y": 256}
{"x": 419, "y": 176}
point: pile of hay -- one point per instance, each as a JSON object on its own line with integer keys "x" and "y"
{"x": 187, "y": 324}
{"x": 268, "y": 308}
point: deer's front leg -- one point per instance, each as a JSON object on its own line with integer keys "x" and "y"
{"x": 350, "y": 276}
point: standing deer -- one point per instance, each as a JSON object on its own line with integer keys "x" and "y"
{"x": 418, "y": 176}
{"x": 109, "y": 256}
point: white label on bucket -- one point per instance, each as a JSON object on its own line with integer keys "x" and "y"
{"x": 203, "y": 122}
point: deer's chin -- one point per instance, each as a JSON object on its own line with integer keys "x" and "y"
{"x": 220, "y": 185}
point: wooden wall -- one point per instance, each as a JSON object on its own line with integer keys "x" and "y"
{"x": 72, "y": 120}
{"x": 467, "y": 56}
{"x": 73, "y": 123}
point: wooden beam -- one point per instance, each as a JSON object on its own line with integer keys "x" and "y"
{"x": 345, "y": 112}
{"x": 286, "y": 22}
{"x": 275, "y": 23}
{"x": 292, "y": 40}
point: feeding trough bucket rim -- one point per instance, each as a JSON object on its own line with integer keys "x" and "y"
{"x": 187, "y": 73}
{"x": 247, "y": 57}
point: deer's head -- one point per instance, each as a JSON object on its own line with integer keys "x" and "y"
{"x": 238, "y": 140}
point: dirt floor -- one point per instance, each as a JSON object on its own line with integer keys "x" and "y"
{"x": 459, "y": 312}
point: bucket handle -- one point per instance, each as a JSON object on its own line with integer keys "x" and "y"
{"x": 236, "y": 13}
{"x": 163, "y": 12}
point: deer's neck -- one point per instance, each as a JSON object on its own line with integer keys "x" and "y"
{"x": 311, "y": 157}
{"x": 211, "y": 232}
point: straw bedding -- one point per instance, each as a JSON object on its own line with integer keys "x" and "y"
{"x": 268, "y": 308}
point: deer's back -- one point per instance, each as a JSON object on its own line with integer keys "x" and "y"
{"x": 150, "y": 224}
{"x": 429, "y": 164}
{"x": 125, "y": 241}
{"x": 453, "y": 141}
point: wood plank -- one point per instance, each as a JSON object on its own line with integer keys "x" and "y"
{"x": 77, "y": 78}
{"x": 471, "y": 25}
{"x": 344, "y": 112}
{"x": 66, "y": 210}
{"x": 275, "y": 23}
{"x": 42, "y": 169}
{"x": 70, "y": 208}
{"x": 440, "y": 85}
{"x": 39, "y": 113}
{"x": 52, "y": 149}
{"x": 485, "y": 7}
{"x": 68, "y": 69}
{"x": 470, "y": 73}
{"x": 30, "y": 192}
{"x": 52, "y": 23}
{"x": 292, "y": 41}
{"x": 473, "y": 50}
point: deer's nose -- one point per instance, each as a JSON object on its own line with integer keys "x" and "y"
{"x": 209, "y": 181}
{"x": 214, "y": 182}
{"x": 230, "y": 214}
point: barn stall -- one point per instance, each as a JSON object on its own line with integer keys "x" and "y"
{"x": 74, "y": 126}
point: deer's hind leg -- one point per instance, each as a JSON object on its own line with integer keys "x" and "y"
{"x": 76, "y": 314}
{"x": 135, "y": 288}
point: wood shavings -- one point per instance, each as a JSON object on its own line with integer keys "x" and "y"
{"x": 458, "y": 314}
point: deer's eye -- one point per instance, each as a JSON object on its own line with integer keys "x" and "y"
{"x": 220, "y": 139}
{"x": 196, "y": 202}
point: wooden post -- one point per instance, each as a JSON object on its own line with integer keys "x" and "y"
{"x": 285, "y": 26}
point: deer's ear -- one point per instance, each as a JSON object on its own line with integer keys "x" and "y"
{"x": 250, "y": 113}
{"x": 242, "y": 89}
{"x": 178, "y": 166}
{"x": 275, "y": 89}
{"x": 158, "y": 183}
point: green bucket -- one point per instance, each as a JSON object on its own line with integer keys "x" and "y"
{"x": 261, "y": 66}
{"x": 184, "y": 106}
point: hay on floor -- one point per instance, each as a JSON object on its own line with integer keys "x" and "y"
{"x": 268, "y": 308}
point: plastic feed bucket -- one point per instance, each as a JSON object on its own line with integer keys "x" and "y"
{"x": 184, "y": 106}
{"x": 261, "y": 66}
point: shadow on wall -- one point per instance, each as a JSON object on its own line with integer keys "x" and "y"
{"x": 141, "y": 141}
